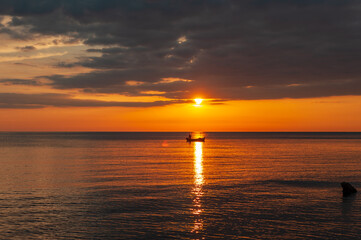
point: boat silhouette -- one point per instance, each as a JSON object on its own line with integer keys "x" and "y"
{"x": 199, "y": 139}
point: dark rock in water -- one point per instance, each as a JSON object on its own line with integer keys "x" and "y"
{"x": 347, "y": 189}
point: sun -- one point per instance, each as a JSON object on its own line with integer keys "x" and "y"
{"x": 198, "y": 101}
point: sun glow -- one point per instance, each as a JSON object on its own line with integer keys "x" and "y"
{"x": 198, "y": 101}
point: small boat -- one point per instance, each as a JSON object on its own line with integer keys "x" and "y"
{"x": 199, "y": 139}
{"x": 195, "y": 139}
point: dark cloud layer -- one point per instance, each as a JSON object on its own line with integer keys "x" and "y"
{"x": 255, "y": 49}
{"x": 19, "y": 100}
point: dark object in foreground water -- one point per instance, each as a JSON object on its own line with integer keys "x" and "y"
{"x": 347, "y": 189}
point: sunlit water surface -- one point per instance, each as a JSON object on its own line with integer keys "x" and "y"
{"x": 158, "y": 186}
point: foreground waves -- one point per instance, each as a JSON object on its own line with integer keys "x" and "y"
{"x": 157, "y": 186}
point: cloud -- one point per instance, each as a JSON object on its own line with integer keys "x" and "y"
{"x": 11, "y": 58}
{"x": 29, "y": 82}
{"x": 313, "y": 90}
{"x": 27, "y": 48}
{"x": 293, "y": 49}
{"x": 18, "y": 100}
{"x": 118, "y": 81}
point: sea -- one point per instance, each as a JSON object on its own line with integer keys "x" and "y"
{"x": 155, "y": 185}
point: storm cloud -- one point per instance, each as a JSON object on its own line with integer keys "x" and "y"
{"x": 226, "y": 49}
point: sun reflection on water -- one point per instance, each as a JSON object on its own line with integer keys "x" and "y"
{"x": 198, "y": 185}
{"x": 198, "y": 164}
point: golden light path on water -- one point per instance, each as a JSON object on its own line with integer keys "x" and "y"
{"x": 198, "y": 185}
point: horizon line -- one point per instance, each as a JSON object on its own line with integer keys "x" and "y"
{"x": 180, "y": 131}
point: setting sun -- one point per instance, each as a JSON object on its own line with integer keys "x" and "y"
{"x": 198, "y": 101}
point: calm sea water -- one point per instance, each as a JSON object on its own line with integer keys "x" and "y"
{"x": 158, "y": 186}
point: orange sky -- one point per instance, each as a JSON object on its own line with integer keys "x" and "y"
{"x": 321, "y": 114}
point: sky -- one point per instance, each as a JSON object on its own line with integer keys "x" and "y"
{"x": 137, "y": 65}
